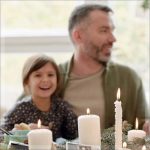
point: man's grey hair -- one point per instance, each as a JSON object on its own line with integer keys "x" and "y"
{"x": 81, "y": 12}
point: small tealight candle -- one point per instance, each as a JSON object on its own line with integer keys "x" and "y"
{"x": 136, "y": 133}
{"x": 125, "y": 146}
{"x": 40, "y": 139}
{"x": 144, "y": 147}
{"x": 89, "y": 129}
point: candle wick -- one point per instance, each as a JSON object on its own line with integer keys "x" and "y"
{"x": 88, "y": 113}
{"x": 119, "y": 100}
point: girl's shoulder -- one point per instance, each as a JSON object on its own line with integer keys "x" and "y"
{"x": 19, "y": 107}
{"x": 24, "y": 102}
{"x": 59, "y": 103}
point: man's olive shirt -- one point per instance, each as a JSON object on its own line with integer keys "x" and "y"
{"x": 116, "y": 76}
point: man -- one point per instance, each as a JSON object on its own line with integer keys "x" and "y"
{"x": 90, "y": 79}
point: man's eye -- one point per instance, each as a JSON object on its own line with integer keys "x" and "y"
{"x": 103, "y": 31}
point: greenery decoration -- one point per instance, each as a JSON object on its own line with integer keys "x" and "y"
{"x": 146, "y": 4}
{"x": 108, "y": 136}
{"x": 108, "y": 139}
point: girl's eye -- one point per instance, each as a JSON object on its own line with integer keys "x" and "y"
{"x": 51, "y": 75}
{"x": 37, "y": 75}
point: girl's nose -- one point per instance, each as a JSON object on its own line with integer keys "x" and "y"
{"x": 45, "y": 78}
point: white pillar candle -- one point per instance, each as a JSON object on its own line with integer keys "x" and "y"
{"x": 89, "y": 129}
{"x": 40, "y": 139}
{"x": 132, "y": 134}
{"x": 118, "y": 122}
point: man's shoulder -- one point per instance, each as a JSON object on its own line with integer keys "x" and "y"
{"x": 64, "y": 65}
{"x": 122, "y": 69}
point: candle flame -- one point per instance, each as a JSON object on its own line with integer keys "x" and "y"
{"x": 124, "y": 145}
{"x": 88, "y": 111}
{"x": 118, "y": 94}
{"x": 39, "y": 123}
{"x": 136, "y": 124}
{"x": 144, "y": 147}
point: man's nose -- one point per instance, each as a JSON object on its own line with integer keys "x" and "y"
{"x": 112, "y": 38}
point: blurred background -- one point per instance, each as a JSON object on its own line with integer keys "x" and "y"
{"x": 31, "y": 27}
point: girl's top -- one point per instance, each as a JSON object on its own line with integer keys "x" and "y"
{"x": 61, "y": 119}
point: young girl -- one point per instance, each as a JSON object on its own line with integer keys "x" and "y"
{"x": 41, "y": 81}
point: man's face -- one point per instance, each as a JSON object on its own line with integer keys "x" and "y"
{"x": 97, "y": 36}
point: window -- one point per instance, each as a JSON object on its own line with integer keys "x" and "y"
{"x": 35, "y": 17}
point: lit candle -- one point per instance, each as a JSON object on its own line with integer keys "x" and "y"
{"x": 40, "y": 139}
{"x": 136, "y": 133}
{"x": 125, "y": 146}
{"x": 144, "y": 147}
{"x": 89, "y": 129}
{"x": 118, "y": 122}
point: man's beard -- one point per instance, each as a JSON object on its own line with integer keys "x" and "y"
{"x": 101, "y": 60}
{"x": 98, "y": 57}
{"x": 104, "y": 63}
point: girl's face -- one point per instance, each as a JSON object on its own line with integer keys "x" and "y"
{"x": 42, "y": 83}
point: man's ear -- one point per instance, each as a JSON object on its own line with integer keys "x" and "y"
{"x": 76, "y": 35}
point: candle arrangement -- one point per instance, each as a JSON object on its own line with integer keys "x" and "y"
{"x": 132, "y": 134}
{"x": 90, "y": 134}
{"x": 118, "y": 122}
{"x": 89, "y": 129}
{"x": 107, "y": 141}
